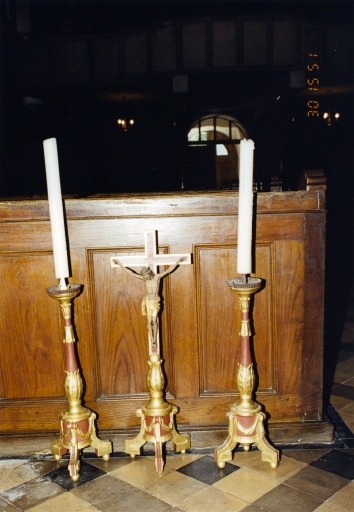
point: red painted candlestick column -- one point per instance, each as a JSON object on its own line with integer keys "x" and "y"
{"x": 77, "y": 424}
{"x": 245, "y": 417}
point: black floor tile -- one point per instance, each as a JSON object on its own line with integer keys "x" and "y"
{"x": 333, "y": 415}
{"x": 347, "y": 450}
{"x": 61, "y": 476}
{"x": 206, "y": 470}
{"x": 347, "y": 347}
{"x": 343, "y": 390}
{"x": 336, "y": 462}
{"x": 348, "y": 443}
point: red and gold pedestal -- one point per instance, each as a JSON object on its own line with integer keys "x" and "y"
{"x": 77, "y": 424}
{"x": 157, "y": 419}
{"x": 245, "y": 417}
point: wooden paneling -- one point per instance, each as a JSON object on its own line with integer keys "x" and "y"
{"x": 120, "y": 333}
{"x": 30, "y": 351}
{"x": 199, "y": 319}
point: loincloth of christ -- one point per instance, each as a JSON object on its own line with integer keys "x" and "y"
{"x": 150, "y": 307}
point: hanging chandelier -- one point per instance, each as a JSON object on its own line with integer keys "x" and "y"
{"x": 125, "y": 123}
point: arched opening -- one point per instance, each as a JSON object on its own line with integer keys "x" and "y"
{"x": 213, "y": 144}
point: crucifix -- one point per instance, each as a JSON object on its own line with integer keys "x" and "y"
{"x": 157, "y": 417}
{"x": 150, "y": 261}
{"x": 151, "y": 258}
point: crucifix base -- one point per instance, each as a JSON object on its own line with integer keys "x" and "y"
{"x": 157, "y": 420}
{"x": 158, "y": 430}
{"x": 75, "y": 435}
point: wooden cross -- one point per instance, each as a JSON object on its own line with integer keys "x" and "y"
{"x": 150, "y": 258}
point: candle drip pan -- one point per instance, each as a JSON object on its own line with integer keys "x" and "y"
{"x": 239, "y": 282}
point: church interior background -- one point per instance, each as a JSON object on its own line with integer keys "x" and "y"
{"x": 150, "y": 97}
{"x": 72, "y": 69}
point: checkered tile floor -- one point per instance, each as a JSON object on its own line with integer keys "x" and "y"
{"x": 308, "y": 478}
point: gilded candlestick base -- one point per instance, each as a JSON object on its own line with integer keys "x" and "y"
{"x": 246, "y": 430}
{"x": 157, "y": 419}
{"x": 77, "y": 424}
{"x": 245, "y": 418}
{"x": 75, "y": 435}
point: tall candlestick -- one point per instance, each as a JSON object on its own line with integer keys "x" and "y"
{"x": 56, "y": 209}
{"x": 245, "y": 208}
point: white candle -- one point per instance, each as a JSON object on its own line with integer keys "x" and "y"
{"x": 245, "y": 208}
{"x": 56, "y": 209}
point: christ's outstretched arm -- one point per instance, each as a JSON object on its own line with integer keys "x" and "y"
{"x": 172, "y": 267}
{"x": 127, "y": 269}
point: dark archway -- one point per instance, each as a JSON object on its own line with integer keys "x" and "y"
{"x": 217, "y": 138}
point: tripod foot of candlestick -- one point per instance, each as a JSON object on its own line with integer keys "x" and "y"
{"x": 157, "y": 420}
{"x": 157, "y": 430}
{"x": 75, "y": 435}
{"x": 246, "y": 430}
